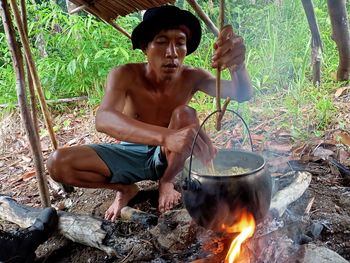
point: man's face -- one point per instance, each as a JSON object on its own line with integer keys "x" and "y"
{"x": 166, "y": 52}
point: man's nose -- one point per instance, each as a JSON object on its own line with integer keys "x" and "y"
{"x": 171, "y": 51}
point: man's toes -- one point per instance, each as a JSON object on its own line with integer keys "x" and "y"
{"x": 107, "y": 216}
{"x": 114, "y": 217}
{"x": 161, "y": 208}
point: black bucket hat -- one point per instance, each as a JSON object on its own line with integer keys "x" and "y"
{"x": 166, "y": 17}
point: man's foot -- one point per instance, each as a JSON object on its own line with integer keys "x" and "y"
{"x": 121, "y": 200}
{"x": 20, "y": 246}
{"x": 168, "y": 196}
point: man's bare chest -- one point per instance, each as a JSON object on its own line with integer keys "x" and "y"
{"x": 156, "y": 107}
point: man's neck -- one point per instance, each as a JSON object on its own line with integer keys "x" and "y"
{"x": 160, "y": 82}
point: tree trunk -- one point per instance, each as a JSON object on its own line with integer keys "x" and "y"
{"x": 340, "y": 34}
{"x": 316, "y": 43}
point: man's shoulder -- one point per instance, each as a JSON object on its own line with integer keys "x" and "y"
{"x": 194, "y": 71}
{"x": 127, "y": 69}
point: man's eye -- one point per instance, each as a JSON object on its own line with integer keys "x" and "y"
{"x": 161, "y": 41}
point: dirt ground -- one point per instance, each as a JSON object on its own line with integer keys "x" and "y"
{"x": 328, "y": 194}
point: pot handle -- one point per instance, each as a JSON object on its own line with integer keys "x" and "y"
{"x": 194, "y": 185}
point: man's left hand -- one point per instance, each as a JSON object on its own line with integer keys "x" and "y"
{"x": 229, "y": 50}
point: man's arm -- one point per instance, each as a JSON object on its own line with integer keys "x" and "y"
{"x": 229, "y": 53}
{"x": 111, "y": 120}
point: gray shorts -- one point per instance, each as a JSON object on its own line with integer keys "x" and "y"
{"x": 130, "y": 163}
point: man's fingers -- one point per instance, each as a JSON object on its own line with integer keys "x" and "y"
{"x": 226, "y": 53}
{"x": 226, "y": 32}
{"x": 232, "y": 57}
{"x": 208, "y": 142}
{"x": 203, "y": 152}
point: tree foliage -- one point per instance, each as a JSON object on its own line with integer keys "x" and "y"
{"x": 81, "y": 49}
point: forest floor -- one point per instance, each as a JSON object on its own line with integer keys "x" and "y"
{"x": 328, "y": 193}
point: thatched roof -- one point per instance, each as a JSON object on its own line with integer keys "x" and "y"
{"x": 111, "y": 9}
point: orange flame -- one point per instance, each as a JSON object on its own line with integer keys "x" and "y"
{"x": 246, "y": 227}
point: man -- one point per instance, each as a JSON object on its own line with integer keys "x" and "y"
{"x": 20, "y": 246}
{"x": 145, "y": 107}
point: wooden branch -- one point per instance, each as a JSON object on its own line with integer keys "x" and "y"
{"x": 204, "y": 17}
{"x": 29, "y": 77}
{"x": 283, "y": 198}
{"x": 25, "y": 113}
{"x": 340, "y": 34}
{"x": 119, "y": 28}
{"x": 316, "y": 43}
{"x": 83, "y": 229}
{"x": 34, "y": 73}
{"x": 219, "y": 115}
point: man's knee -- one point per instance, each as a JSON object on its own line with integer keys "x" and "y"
{"x": 57, "y": 164}
{"x": 184, "y": 115}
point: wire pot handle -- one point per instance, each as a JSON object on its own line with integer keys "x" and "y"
{"x": 196, "y": 136}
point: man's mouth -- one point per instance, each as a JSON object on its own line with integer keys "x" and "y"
{"x": 170, "y": 67}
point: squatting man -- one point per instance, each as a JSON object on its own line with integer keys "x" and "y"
{"x": 145, "y": 107}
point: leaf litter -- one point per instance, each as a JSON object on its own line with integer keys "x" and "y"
{"x": 329, "y": 193}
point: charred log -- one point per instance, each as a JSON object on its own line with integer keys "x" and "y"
{"x": 83, "y": 229}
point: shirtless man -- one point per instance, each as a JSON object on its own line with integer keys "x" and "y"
{"x": 145, "y": 107}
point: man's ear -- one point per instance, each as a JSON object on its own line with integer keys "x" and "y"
{"x": 143, "y": 47}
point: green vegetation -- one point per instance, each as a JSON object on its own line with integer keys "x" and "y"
{"x": 75, "y": 53}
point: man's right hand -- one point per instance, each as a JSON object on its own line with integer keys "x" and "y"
{"x": 180, "y": 141}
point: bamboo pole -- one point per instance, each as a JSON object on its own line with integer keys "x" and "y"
{"x": 219, "y": 115}
{"x": 29, "y": 77}
{"x": 33, "y": 73}
{"x": 37, "y": 84}
{"x": 25, "y": 113}
{"x": 204, "y": 17}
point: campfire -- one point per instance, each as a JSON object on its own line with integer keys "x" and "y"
{"x": 245, "y": 227}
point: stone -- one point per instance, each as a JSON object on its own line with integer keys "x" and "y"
{"x": 311, "y": 253}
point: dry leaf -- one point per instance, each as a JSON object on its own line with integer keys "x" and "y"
{"x": 341, "y": 91}
{"x": 344, "y": 138}
{"x": 28, "y": 175}
{"x": 257, "y": 138}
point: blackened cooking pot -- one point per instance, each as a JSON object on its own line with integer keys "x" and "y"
{"x": 214, "y": 200}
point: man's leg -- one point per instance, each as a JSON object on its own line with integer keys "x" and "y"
{"x": 168, "y": 197}
{"x": 81, "y": 166}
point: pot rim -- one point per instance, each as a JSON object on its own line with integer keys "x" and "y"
{"x": 261, "y": 167}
